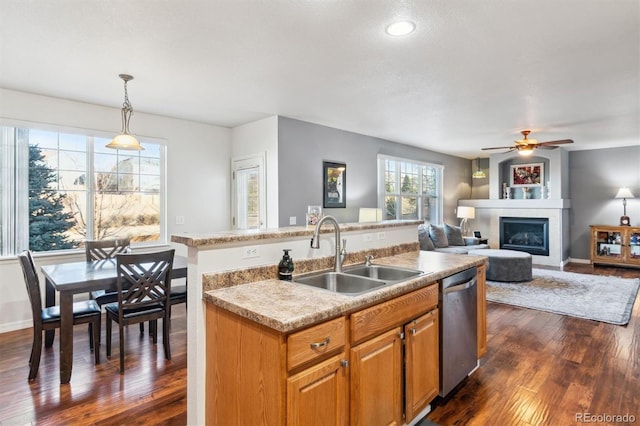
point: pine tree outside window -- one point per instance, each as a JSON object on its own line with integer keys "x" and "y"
{"x": 60, "y": 188}
{"x": 410, "y": 189}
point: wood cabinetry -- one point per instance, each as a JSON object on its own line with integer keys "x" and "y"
{"x": 482, "y": 310}
{"x": 615, "y": 245}
{"x": 378, "y": 365}
{"x": 319, "y": 395}
{"x": 422, "y": 363}
{"x": 376, "y": 380}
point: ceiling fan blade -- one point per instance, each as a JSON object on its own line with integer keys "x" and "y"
{"x": 498, "y": 147}
{"x": 560, "y": 142}
{"x": 546, "y": 146}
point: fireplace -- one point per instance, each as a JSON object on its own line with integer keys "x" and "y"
{"x": 530, "y": 235}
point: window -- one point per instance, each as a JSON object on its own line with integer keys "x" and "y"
{"x": 60, "y": 188}
{"x": 410, "y": 189}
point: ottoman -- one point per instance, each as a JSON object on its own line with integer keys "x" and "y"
{"x": 506, "y": 265}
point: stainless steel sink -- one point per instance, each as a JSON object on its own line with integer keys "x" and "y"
{"x": 380, "y": 272}
{"x": 342, "y": 283}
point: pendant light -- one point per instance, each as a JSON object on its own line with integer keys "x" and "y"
{"x": 478, "y": 174}
{"x": 125, "y": 140}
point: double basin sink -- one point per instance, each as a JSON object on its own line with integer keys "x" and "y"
{"x": 359, "y": 279}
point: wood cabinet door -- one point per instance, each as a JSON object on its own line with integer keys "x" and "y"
{"x": 376, "y": 380}
{"x": 632, "y": 243}
{"x": 482, "y": 311}
{"x": 422, "y": 373}
{"x": 319, "y": 395}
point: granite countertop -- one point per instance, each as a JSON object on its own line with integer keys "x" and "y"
{"x": 232, "y": 236}
{"x": 287, "y": 306}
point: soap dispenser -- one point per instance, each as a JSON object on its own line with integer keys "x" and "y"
{"x": 285, "y": 267}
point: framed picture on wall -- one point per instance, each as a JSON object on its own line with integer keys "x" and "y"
{"x": 334, "y": 187}
{"x": 527, "y": 175}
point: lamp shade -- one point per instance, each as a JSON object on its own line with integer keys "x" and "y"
{"x": 126, "y": 142}
{"x": 370, "y": 215}
{"x": 465, "y": 212}
{"x": 624, "y": 192}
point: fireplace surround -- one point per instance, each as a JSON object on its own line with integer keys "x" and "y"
{"x": 527, "y": 234}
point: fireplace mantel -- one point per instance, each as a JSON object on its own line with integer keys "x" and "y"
{"x": 563, "y": 203}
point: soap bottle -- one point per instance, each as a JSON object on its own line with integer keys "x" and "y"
{"x": 285, "y": 267}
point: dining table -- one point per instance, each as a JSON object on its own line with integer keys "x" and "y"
{"x": 72, "y": 278}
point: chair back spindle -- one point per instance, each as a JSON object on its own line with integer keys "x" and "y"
{"x": 106, "y": 249}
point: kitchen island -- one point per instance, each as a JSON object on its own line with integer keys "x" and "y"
{"x": 242, "y": 298}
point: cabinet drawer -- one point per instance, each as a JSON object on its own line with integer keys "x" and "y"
{"x": 315, "y": 342}
{"x": 376, "y": 319}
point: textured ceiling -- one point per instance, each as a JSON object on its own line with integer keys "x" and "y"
{"x": 472, "y": 75}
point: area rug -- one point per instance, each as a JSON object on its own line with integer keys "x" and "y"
{"x": 595, "y": 297}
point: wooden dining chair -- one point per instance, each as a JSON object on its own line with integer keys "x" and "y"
{"x": 101, "y": 250}
{"x": 48, "y": 318}
{"x": 144, "y": 294}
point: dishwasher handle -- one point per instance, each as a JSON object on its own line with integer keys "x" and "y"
{"x": 461, "y": 287}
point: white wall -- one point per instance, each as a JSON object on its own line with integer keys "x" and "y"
{"x": 197, "y": 176}
{"x": 255, "y": 138}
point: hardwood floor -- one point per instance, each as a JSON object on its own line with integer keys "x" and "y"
{"x": 548, "y": 369}
{"x": 152, "y": 390}
{"x": 540, "y": 369}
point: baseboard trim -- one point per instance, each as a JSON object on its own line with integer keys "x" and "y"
{"x": 575, "y": 260}
{"x": 13, "y": 326}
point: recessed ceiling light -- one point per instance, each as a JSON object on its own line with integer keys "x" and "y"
{"x": 401, "y": 28}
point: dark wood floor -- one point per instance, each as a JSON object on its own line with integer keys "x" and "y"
{"x": 152, "y": 390}
{"x": 546, "y": 369}
{"x": 540, "y": 369}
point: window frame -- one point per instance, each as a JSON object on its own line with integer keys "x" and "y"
{"x": 14, "y": 230}
{"x": 383, "y": 194}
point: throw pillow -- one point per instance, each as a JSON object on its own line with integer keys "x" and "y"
{"x": 423, "y": 238}
{"x": 454, "y": 235}
{"x": 438, "y": 236}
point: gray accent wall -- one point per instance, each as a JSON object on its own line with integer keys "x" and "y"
{"x": 595, "y": 177}
{"x": 303, "y": 146}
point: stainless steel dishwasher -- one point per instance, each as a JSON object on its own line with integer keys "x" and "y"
{"x": 458, "y": 298}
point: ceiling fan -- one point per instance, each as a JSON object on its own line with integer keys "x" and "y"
{"x": 526, "y": 146}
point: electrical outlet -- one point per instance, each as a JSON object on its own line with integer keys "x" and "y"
{"x": 179, "y": 220}
{"x": 381, "y": 235}
{"x": 250, "y": 252}
{"x": 292, "y": 220}
{"x": 367, "y": 238}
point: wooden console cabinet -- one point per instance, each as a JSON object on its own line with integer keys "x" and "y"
{"x": 615, "y": 245}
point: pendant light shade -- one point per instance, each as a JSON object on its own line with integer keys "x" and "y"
{"x": 478, "y": 173}
{"x": 125, "y": 140}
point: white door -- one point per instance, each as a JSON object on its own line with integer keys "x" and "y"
{"x": 249, "y": 197}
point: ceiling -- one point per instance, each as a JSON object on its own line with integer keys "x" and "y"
{"x": 472, "y": 75}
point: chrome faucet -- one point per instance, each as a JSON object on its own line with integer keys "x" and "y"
{"x": 367, "y": 260}
{"x": 341, "y": 252}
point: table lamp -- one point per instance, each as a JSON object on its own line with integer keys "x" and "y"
{"x": 465, "y": 213}
{"x": 624, "y": 193}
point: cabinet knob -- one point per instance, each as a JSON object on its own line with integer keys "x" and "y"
{"x": 413, "y": 330}
{"x": 317, "y": 345}
{"x": 344, "y": 363}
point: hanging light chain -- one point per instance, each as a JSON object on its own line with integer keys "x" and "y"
{"x": 127, "y": 109}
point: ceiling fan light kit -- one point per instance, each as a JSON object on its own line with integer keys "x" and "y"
{"x": 526, "y": 146}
